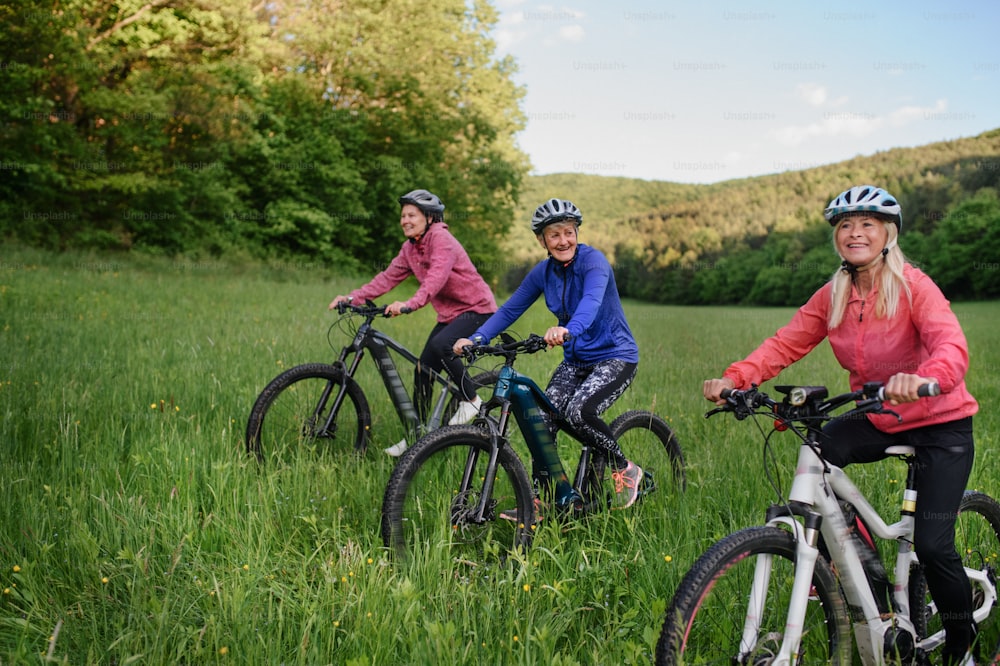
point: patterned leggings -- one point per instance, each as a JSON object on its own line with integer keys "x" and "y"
{"x": 582, "y": 394}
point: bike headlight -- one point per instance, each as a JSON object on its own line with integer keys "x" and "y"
{"x": 798, "y": 396}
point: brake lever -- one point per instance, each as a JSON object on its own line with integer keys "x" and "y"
{"x": 718, "y": 410}
{"x": 883, "y": 410}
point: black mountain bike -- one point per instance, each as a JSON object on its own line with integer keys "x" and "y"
{"x": 320, "y": 406}
{"x": 465, "y": 486}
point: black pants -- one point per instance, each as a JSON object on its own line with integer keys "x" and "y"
{"x": 944, "y": 456}
{"x": 437, "y": 355}
{"x": 582, "y": 394}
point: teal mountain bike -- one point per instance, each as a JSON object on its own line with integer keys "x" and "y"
{"x": 467, "y": 488}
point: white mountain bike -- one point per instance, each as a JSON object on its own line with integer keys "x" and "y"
{"x": 791, "y": 591}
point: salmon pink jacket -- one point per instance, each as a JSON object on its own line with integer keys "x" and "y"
{"x": 923, "y": 338}
{"x": 448, "y": 279}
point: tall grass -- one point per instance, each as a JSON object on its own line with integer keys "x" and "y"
{"x": 134, "y": 529}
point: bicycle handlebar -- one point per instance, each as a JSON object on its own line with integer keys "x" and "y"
{"x": 809, "y": 403}
{"x": 509, "y": 349}
{"x": 369, "y": 309}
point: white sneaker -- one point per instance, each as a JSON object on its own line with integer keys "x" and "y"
{"x": 397, "y": 449}
{"x": 467, "y": 410}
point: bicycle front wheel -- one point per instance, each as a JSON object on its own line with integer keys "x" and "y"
{"x": 650, "y": 442}
{"x": 708, "y": 620}
{"x": 441, "y": 496}
{"x": 977, "y": 539}
{"x": 314, "y": 407}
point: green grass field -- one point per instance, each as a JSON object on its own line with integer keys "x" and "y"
{"x": 135, "y": 529}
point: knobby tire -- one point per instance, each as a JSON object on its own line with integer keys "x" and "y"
{"x": 283, "y": 418}
{"x": 704, "y": 623}
{"x": 426, "y": 509}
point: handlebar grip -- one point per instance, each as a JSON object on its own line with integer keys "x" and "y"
{"x": 929, "y": 390}
{"x": 406, "y": 310}
{"x": 725, "y": 393}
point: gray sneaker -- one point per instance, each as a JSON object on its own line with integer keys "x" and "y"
{"x": 627, "y": 482}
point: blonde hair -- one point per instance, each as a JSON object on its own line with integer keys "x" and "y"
{"x": 888, "y": 274}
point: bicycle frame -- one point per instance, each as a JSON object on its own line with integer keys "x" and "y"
{"x": 815, "y": 497}
{"x": 380, "y": 345}
{"x": 518, "y": 394}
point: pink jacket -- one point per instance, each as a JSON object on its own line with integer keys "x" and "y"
{"x": 448, "y": 279}
{"x": 923, "y": 338}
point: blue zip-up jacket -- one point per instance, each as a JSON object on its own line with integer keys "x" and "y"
{"x": 584, "y": 298}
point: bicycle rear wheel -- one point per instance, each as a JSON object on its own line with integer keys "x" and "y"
{"x": 292, "y": 412}
{"x": 706, "y": 618}
{"x": 648, "y": 440}
{"x": 435, "y": 487}
{"x": 977, "y": 539}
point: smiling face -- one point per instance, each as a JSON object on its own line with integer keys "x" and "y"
{"x": 414, "y": 222}
{"x": 860, "y": 238}
{"x": 560, "y": 240}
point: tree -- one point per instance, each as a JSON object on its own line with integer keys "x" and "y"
{"x": 965, "y": 259}
{"x": 281, "y": 128}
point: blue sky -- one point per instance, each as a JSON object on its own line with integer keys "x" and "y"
{"x": 705, "y": 91}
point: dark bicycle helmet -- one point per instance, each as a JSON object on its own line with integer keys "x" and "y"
{"x": 865, "y": 199}
{"x": 428, "y": 203}
{"x": 552, "y": 211}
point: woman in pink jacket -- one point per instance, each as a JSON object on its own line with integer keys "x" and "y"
{"x": 449, "y": 282}
{"x": 888, "y": 322}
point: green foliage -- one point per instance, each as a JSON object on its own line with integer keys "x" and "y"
{"x": 278, "y": 130}
{"x": 965, "y": 254}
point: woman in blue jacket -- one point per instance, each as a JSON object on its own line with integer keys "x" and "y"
{"x": 600, "y": 353}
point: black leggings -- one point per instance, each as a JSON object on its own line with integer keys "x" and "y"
{"x": 944, "y": 455}
{"x": 582, "y": 394}
{"x": 437, "y": 355}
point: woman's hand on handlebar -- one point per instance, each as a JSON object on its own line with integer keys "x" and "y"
{"x": 337, "y": 300}
{"x": 556, "y": 336}
{"x": 458, "y": 349}
{"x": 905, "y": 387}
{"x": 396, "y": 308}
{"x": 712, "y": 389}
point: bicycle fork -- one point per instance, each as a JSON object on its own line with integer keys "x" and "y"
{"x": 806, "y": 553}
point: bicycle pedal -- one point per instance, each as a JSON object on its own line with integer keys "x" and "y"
{"x": 571, "y": 504}
{"x": 648, "y": 483}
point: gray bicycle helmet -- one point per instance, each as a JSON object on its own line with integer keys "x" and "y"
{"x": 865, "y": 199}
{"x": 428, "y": 203}
{"x": 552, "y": 211}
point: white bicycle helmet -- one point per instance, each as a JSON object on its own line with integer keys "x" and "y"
{"x": 864, "y": 199}
{"x": 552, "y": 211}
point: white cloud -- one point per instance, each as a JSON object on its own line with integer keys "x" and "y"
{"x": 812, "y": 93}
{"x": 903, "y": 115}
{"x": 572, "y": 33}
{"x": 854, "y": 124}
{"x": 831, "y": 124}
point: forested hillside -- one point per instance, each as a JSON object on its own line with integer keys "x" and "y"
{"x": 278, "y": 130}
{"x": 285, "y": 131}
{"x": 764, "y": 240}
